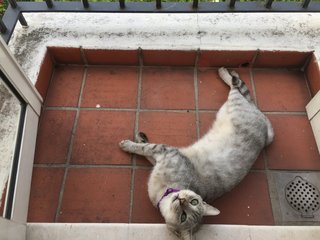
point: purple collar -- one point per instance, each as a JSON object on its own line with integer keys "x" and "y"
{"x": 167, "y": 192}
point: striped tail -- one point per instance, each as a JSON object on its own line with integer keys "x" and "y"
{"x": 234, "y": 81}
{"x": 242, "y": 87}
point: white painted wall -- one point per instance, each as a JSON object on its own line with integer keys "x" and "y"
{"x": 223, "y": 31}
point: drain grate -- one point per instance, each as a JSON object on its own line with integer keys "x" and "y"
{"x": 303, "y": 196}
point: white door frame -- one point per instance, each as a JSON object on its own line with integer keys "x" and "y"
{"x": 313, "y": 111}
{"x": 15, "y": 226}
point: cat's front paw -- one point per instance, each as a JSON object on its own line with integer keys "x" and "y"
{"x": 125, "y": 145}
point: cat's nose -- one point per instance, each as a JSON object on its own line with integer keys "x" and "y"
{"x": 182, "y": 201}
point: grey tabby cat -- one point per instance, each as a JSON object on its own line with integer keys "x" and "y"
{"x": 184, "y": 178}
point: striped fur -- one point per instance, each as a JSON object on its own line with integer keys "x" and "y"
{"x": 211, "y": 166}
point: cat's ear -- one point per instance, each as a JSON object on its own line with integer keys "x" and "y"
{"x": 209, "y": 210}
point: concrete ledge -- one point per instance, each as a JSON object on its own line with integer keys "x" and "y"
{"x": 215, "y": 31}
{"x": 83, "y": 231}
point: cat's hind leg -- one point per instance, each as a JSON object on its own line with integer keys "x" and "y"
{"x": 233, "y": 80}
{"x": 225, "y": 76}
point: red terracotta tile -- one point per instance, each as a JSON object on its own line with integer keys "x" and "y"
{"x": 212, "y": 91}
{"x": 114, "y": 87}
{"x": 66, "y": 55}
{"x": 171, "y": 128}
{"x": 294, "y": 146}
{"x": 143, "y": 211}
{"x": 169, "y": 58}
{"x": 226, "y": 58}
{"x": 313, "y": 75}
{"x": 167, "y": 88}
{"x": 98, "y": 135}
{"x": 45, "y": 74}
{"x": 96, "y": 195}
{"x": 247, "y": 203}
{"x": 65, "y": 87}
{"x": 281, "y": 90}
{"x": 112, "y": 57}
{"x": 54, "y": 136}
{"x": 206, "y": 121}
{"x": 281, "y": 59}
{"x": 259, "y": 163}
{"x": 44, "y": 194}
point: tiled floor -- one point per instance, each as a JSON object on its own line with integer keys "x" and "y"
{"x": 81, "y": 175}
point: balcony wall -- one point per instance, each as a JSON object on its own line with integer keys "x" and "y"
{"x": 228, "y": 31}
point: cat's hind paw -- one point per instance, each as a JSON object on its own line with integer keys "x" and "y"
{"x": 225, "y": 75}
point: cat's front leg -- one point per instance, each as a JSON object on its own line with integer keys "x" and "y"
{"x": 144, "y": 149}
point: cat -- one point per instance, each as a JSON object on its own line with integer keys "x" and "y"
{"x": 183, "y": 179}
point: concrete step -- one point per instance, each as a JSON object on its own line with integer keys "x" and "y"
{"x": 97, "y": 231}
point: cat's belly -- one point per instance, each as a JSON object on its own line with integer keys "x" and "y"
{"x": 223, "y": 164}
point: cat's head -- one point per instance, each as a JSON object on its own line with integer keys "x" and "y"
{"x": 183, "y": 212}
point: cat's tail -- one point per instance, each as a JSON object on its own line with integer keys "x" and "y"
{"x": 233, "y": 80}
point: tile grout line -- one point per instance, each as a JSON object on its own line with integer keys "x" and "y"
{"x": 135, "y": 132}
{"x": 83, "y": 56}
{"x": 257, "y": 170}
{"x": 74, "y": 128}
{"x": 286, "y": 113}
{"x": 122, "y": 109}
{"x": 266, "y": 170}
{"x": 253, "y": 87}
{"x": 264, "y": 151}
{"x": 166, "y": 110}
{"x": 196, "y": 93}
{"x": 91, "y": 108}
{"x": 264, "y": 154}
{"x": 64, "y": 165}
{"x": 284, "y": 68}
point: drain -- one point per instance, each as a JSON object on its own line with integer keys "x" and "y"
{"x": 303, "y": 196}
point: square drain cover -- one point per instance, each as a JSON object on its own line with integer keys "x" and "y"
{"x": 298, "y": 195}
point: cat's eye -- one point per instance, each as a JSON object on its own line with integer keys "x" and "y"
{"x": 183, "y": 217}
{"x": 194, "y": 202}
